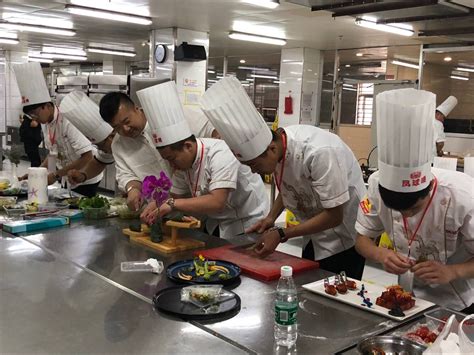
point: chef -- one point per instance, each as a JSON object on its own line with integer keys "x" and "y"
{"x": 428, "y": 213}
{"x": 442, "y": 111}
{"x": 135, "y": 154}
{"x": 68, "y": 148}
{"x": 84, "y": 114}
{"x": 316, "y": 174}
{"x": 220, "y": 187}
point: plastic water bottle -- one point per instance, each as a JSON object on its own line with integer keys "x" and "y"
{"x": 286, "y": 307}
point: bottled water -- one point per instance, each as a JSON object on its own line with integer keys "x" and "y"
{"x": 286, "y": 306}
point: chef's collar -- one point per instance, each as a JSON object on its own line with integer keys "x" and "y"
{"x": 55, "y": 115}
{"x": 197, "y": 159}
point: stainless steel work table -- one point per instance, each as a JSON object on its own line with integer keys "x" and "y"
{"x": 98, "y": 248}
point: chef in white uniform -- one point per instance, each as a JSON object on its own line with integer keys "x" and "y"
{"x": 428, "y": 213}
{"x": 316, "y": 174}
{"x": 220, "y": 187}
{"x": 442, "y": 111}
{"x": 135, "y": 154}
{"x": 84, "y": 114}
{"x": 68, "y": 148}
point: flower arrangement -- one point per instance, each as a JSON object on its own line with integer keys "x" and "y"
{"x": 157, "y": 189}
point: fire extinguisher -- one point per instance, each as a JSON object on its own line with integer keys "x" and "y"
{"x": 288, "y": 104}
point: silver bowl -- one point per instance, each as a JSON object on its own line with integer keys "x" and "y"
{"x": 386, "y": 345}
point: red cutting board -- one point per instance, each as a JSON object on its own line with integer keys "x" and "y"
{"x": 267, "y": 269}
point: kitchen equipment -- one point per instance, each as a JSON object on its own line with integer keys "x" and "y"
{"x": 372, "y": 292}
{"x": 183, "y": 266}
{"x": 379, "y": 345}
{"x": 263, "y": 269}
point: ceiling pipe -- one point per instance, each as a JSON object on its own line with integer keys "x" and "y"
{"x": 446, "y": 32}
{"x": 421, "y": 18}
{"x": 381, "y": 7}
{"x": 342, "y": 5}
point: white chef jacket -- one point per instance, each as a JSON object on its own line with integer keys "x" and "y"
{"x": 446, "y": 234}
{"x": 197, "y": 121}
{"x": 69, "y": 142}
{"x": 136, "y": 158}
{"x": 438, "y": 135}
{"x": 246, "y": 204}
{"x": 321, "y": 172}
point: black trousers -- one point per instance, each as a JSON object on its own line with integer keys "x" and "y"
{"x": 89, "y": 190}
{"x": 33, "y": 155}
{"x": 469, "y": 310}
{"x": 348, "y": 260}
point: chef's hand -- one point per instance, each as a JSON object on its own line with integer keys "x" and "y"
{"x": 261, "y": 226}
{"x": 51, "y": 178}
{"x": 433, "y": 272}
{"x": 76, "y": 177}
{"x": 149, "y": 213}
{"x": 134, "y": 199}
{"x": 267, "y": 243}
{"x": 394, "y": 263}
{"x": 23, "y": 177}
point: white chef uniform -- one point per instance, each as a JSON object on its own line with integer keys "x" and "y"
{"x": 84, "y": 114}
{"x": 438, "y": 128}
{"x": 214, "y": 167}
{"x": 446, "y": 234}
{"x": 319, "y": 172}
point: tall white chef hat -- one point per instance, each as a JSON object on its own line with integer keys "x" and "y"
{"x": 31, "y": 83}
{"x": 234, "y": 116}
{"x": 447, "y": 106}
{"x": 84, "y": 114}
{"x": 405, "y": 138}
{"x": 165, "y": 114}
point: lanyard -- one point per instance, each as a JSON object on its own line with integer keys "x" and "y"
{"x": 52, "y": 137}
{"x": 405, "y": 222}
{"x": 199, "y": 171}
{"x": 282, "y": 169}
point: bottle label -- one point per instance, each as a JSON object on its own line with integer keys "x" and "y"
{"x": 285, "y": 313}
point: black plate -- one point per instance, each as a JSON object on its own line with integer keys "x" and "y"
{"x": 183, "y": 265}
{"x": 19, "y": 193}
{"x": 169, "y": 302}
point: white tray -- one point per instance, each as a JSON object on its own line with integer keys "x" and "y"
{"x": 373, "y": 291}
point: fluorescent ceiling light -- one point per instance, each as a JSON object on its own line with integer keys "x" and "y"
{"x": 347, "y": 65}
{"x": 38, "y": 28}
{"x": 278, "y": 82}
{"x": 395, "y": 29}
{"x": 258, "y": 29}
{"x": 359, "y": 54}
{"x": 348, "y": 85}
{"x": 10, "y": 35}
{"x": 9, "y": 40}
{"x": 242, "y": 61}
{"x": 63, "y": 56}
{"x": 458, "y": 77}
{"x": 211, "y": 71}
{"x": 349, "y": 89}
{"x": 252, "y": 68}
{"x": 60, "y": 50}
{"x": 128, "y": 7}
{"x": 448, "y": 59}
{"x": 264, "y": 76}
{"x": 111, "y": 51}
{"x": 37, "y": 19}
{"x": 471, "y": 70}
{"x": 39, "y": 59}
{"x": 269, "y": 4}
{"x": 405, "y": 64}
{"x": 255, "y": 38}
{"x": 108, "y": 15}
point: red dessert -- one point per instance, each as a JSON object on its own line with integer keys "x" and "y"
{"x": 395, "y": 296}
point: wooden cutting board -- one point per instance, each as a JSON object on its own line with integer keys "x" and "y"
{"x": 267, "y": 269}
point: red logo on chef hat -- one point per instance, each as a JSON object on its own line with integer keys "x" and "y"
{"x": 24, "y": 100}
{"x": 156, "y": 138}
{"x": 416, "y": 178}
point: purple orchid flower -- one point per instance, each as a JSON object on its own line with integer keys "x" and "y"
{"x": 156, "y": 189}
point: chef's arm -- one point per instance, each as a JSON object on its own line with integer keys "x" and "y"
{"x": 328, "y": 218}
{"x": 76, "y": 164}
{"x": 439, "y": 148}
{"x": 366, "y": 247}
{"x": 91, "y": 170}
{"x": 277, "y": 209}
{"x": 211, "y": 203}
{"x": 464, "y": 270}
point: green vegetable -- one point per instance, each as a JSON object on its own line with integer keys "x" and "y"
{"x": 224, "y": 276}
{"x": 93, "y": 202}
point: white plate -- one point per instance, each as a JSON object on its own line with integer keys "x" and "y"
{"x": 373, "y": 291}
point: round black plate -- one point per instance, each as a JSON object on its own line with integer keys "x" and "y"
{"x": 184, "y": 265}
{"x": 169, "y": 301}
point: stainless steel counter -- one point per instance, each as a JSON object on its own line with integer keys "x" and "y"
{"x": 87, "y": 256}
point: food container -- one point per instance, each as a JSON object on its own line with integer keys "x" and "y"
{"x": 440, "y": 316}
{"x": 15, "y": 210}
{"x": 95, "y": 213}
{"x": 125, "y": 213}
{"x": 7, "y": 200}
{"x": 378, "y": 345}
{"x": 52, "y": 206}
{"x": 140, "y": 266}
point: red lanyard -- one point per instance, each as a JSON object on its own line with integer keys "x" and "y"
{"x": 199, "y": 171}
{"x": 282, "y": 169}
{"x": 52, "y": 137}
{"x": 405, "y": 222}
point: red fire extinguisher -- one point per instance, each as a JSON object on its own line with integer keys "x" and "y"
{"x": 288, "y": 104}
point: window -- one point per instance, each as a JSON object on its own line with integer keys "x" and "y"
{"x": 365, "y": 103}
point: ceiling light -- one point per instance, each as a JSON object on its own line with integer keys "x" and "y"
{"x": 264, "y": 76}
{"x": 9, "y": 40}
{"x": 39, "y": 59}
{"x": 252, "y": 68}
{"x": 359, "y": 54}
{"x": 349, "y": 89}
{"x": 459, "y": 77}
{"x": 60, "y": 50}
{"x": 348, "y": 85}
{"x": 347, "y": 65}
{"x": 211, "y": 71}
{"x": 405, "y": 64}
{"x": 395, "y": 29}
{"x": 471, "y": 70}
{"x": 448, "y": 59}
{"x": 278, "y": 82}
{"x": 242, "y": 61}
{"x": 269, "y": 4}
{"x": 255, "y": 38}
{"x": 63, "y": 56}
{"x": 108, "y": 15}
{"x": 38, "y": 28}
{"x": 111, "y": 51}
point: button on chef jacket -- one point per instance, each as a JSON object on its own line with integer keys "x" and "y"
{"x": 70, "y": 143}
{"x": 446, "y": 235}
{"x": 321, "y": 172}
{"x": 247, "y": 202}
